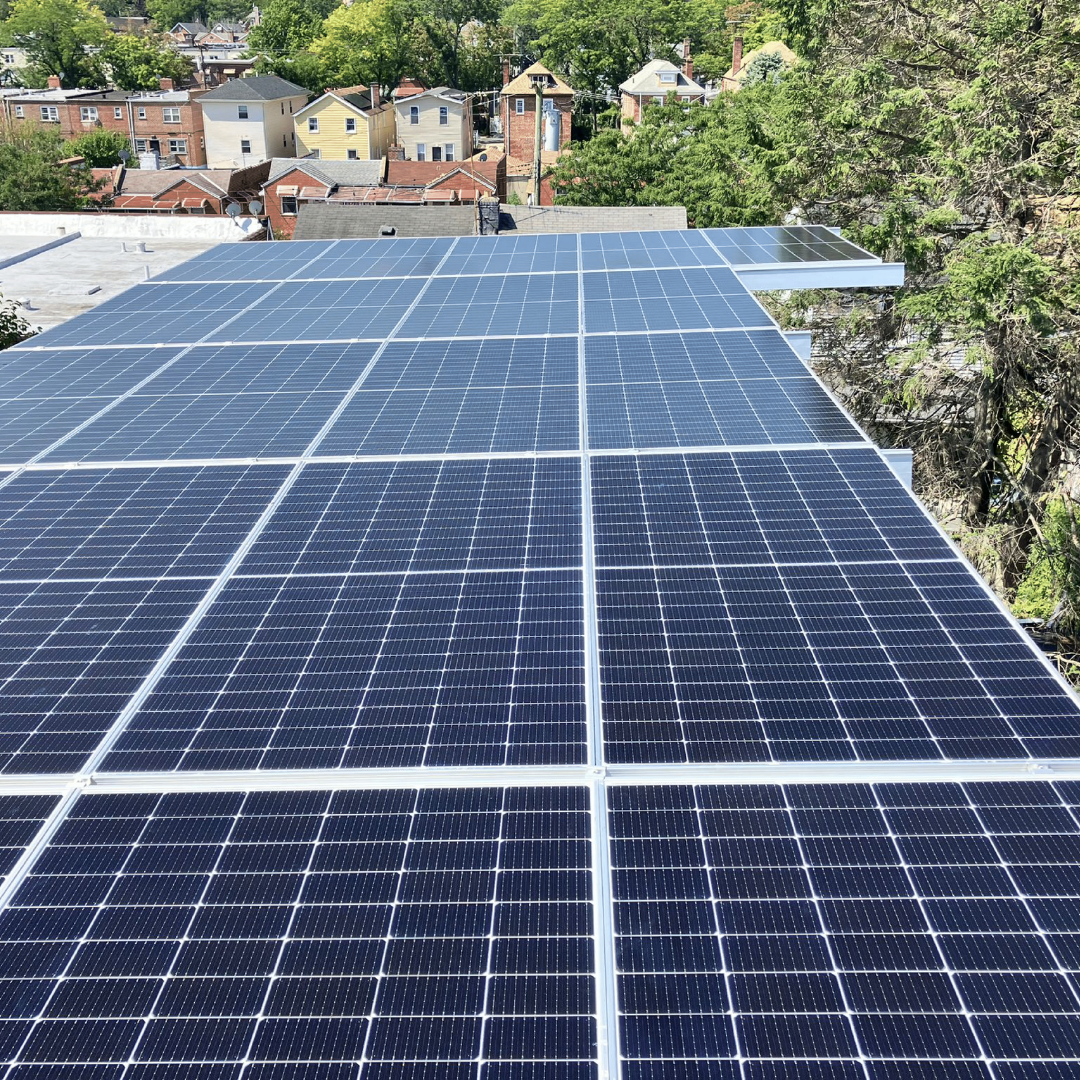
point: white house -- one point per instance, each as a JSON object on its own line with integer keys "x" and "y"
{"x": 434, "y": 125}
{"x": 250, "y": 120}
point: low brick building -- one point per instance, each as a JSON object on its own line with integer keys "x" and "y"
{"x": 292, "y": 181}
{"x": 463, "y": 181}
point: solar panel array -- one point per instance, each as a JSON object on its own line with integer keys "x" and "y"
{"x": 501, "y": 658}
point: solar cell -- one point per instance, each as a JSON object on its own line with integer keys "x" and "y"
{"x": 308, "y": 934}
{"x": 641, "y": 250}
{"x": 911, "y": 929}
{"x": 785, "y": 244}
{"x": 382, "y": 670}
{"x": 496, "y": 420}
{"x": 147, "y": 427}
{"x": 798, "y": 506}
{"x": 425, "y": 515}
{"x": 71, "y": 654}
{"x": 27, "y": 428}
{"x": 68, "y": 373}
{"x": 416, "y": 257}
{"x": 129, "y": 522}
{"x": 437, "y": 365}
{"x": 21, "y": 817}
{"x": 676, "y": 299}
{"x": 875, "y": 661}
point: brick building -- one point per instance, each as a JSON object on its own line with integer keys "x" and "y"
{"x": 655, "y": 82}
{"x": 167, "y": 122}
{"x": 519, "y": 110}
{"x": 292, "y": 181}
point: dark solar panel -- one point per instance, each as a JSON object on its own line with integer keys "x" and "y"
{"x": 71, "y": 654}
{"x": 129, "y": 522}
{"x": 800, "y": 506}
{"x": 438, "y": 365}
{"x": 21, "y": 817}
{"x": 425, "y": 515}
{"x": 372, "y": 670}
{"x": 497, "y": 420}
{"x": 876, "y": 661}
{"x": 815, "y": 930}
{"x": 417, "y": 257}
{"x": 69, "y": 373}
{"x": 27, "y": 428}
{"x": 784, "y": 245}
{"x": 147, "y": 427}
{"x": 308, "y": 934}
{"x": 230, "y": 263}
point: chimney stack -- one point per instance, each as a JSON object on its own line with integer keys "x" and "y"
{"x": 54, "y": 82}
{"x": 166, "y": 84}
{"x": 374, "y": 95}
{"x": 395, "y": 152}
{"x": 688, "y": 63}
{"x": 736, "y": 54}
{"x": 506, "y": 70}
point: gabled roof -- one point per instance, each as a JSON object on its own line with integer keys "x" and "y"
{"x": 357, "y": 98}
{"x": 521, "y": 84}
{"x": 443, "y": 93}
{"x": 189, "y": 28}
{"x": 408, "y": 88}
{"x": 647, "y": 80}
{"x": 424, "y": 174}
{"x": 777, "y": 47}
{"x": 350, "y": 173}
{"x": 257, "y": 88}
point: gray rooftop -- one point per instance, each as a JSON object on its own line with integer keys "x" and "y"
{"x": 581, "y": 219}
{"x": 327, "y": 221}
{"x": 360, "y": 173}
{"x": 257, "y": 88}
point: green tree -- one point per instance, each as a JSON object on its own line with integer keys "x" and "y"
{"x": 100, "y": 148}
{"x": 456, "y": 47}
{"x": 287, "y": 27}
{"x": 369, "y": 41}
{"x": 139, "y": 63}
{"x": 13, "y": 327}
{"x": 305, "y": 69}
{"x": 58, "y": 36}
{"x": 167, "y": 13}
{"x": 30, "y": 176}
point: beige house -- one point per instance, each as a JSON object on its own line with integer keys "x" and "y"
{"x": 250, "y": 120}
{"x": 655, "y": 81}
{"x": 434, "y": 125}
{"x": 351, "y": 123}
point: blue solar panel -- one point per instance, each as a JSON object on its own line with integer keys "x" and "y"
{"x": 71, "y": 654}
{"x": 29, "y": 427}
{"x": 800, "y": 506}
{"x": 423, "y": 365}
{"x": 500, "y": 421}
{"x": 314, "y": 930}
{"x": 642, "y": 250}
{"x": 491, "y": 255}
{"x": 129, "y": 522}
{"x": 871, "y": 661}
{"x": 417, "y": 257}
{"x": 232, "y": 263}
{"x": 148, "y": 427}
{"x": 911, "y": 929}
{"x": 425, "y": 515}
{"x": 21, "y": 817}
{"x": 372, "y": 670}
{"x": 68, "y": 373}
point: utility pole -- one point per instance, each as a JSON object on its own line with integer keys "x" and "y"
{"x": 540, "y": 83}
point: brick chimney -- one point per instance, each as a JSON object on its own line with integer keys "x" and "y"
{"x": 166, "y": 84}
{"x": 54, "y": 82}
{"x": 395, "y": 153}
{"x": 506, "y": 71}
{"x": 374, "y": 95}
{"x": 736, "y": 54}
{"x": 688, "y": 62}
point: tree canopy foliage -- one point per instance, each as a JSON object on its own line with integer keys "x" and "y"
{"x": 59, "y": 38}
{"x": 137, "y": 62}
{"x": 30, "y": 176}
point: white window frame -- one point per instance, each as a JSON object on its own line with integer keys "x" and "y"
{"x": 243, "y": 143}
{"x": 241, "y": 112}
{"x": 421, "y": 152}
{"x": 448, "y": 152}
{"x": 352, "y": 154}
{"x": 350, "y": 125}
{"x": 170, "y": 114}
{"x": 141, "y": 146}
{"x": 414, "y": 114}
{"x": 669, "y": 76}
{"x": 88, "y": 114}
{"x": 142, "y": 112}
{"x": 519, "y": 106}
{"x": 288, "y": 206}
{"x": 118, "y": 113}
{"x": 444, "y": 116}
{"x": 313, "y": 125}
{"x": 50, "y": 114}
{"x": 178, "y": 146}
{"x": 19, "y": 111}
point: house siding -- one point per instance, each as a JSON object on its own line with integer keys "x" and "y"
{"x": 429, "y": 132}
{"x": 268, "y": 127}
{"x": 374, "y": 131}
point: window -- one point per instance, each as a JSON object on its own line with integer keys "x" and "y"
{"x": 421, "y": 152}
{"x": 142, "y": 112}
{"x": 87, "y": 113}
{"x": 669, "y": 76}
{"x": 444, "y": 115}
{"x": 9, "y": 58}
{"x": 50, "y": 114}
{"x": 288, "y": 205}
{"x": 118, "y": 113}
{"x": 241, "y": 112}
{"x": 316, "y": 153}
{"x": 290, "y": 108}
{"x": 519, "y": 106}
{"x": 414, "y": 114}
{"x": 448, "y": 152}
{"x": 285, "y": 142}
{"x": 283, "y": 108}
{"x": 19, "y": 111}
{"x": 658, "y": 101}
{"x": 140, "y": 146}
{"x": 313, "y": 123}
{"x": 352, "y": 155}
{"x": 170, "y": 116}
{"x": 245, "y": 146}
{"x": 436, "y": 153}
{"x": 350, "y": 125}
{"x": 178, "y": 146}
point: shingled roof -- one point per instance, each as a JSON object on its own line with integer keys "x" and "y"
{"x": 257, "y": 88}
{"x": 522, "y": 85}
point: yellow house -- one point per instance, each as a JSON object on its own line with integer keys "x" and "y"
{"x": 351, "y": 123}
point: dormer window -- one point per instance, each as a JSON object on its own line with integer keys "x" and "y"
{"x": 669, "y": 76}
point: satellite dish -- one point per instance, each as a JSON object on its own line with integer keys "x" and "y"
{"x": 124, "y": 155}
{"x": 483, "y": 157}
{"x": 233, "y": 211}
{"x": 255, "y": 206}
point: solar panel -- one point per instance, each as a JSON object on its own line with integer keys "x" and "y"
{"x": 32, "y": 374}
{"x": 425, "y": 515}
{"x": 491, "y": 255}
{"x": 911, "y": 929}
{"x": 247, "y": 262}
{"x": 785, "y": 244}
{"x": 21, "y": 816}
{"x": 125, "y": 523}
{"x": 385, "y": 670}
{"x": 314, "y": 930}
{"x": 636, "y": 250}
{"x": 27, "y": 428}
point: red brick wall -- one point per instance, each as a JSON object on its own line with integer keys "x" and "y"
{"x": 189, "y": 128}
{"x": 283, "y": 225}
{"x": 520, "y": 129}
